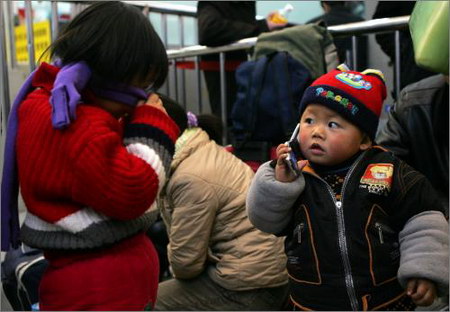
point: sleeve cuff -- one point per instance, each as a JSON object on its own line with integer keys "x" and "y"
{"x": 424, "y": 250}
{"x": 270, "y": 202}
{"x": 153, "y": 116}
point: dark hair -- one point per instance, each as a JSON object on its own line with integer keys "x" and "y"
{"x": 175, "y": 111}
{"x": 118, "y": 43}
{"x": 212, "y": 125}
{"x": 333, "y": 3}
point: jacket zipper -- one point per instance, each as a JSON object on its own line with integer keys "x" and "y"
{"x": 382, "y": 229}
{"x": 300, "y": 228}
{"x": 380, "y": 232}
{"x": 350, "y": 285}
{"x": 344, "y": 249}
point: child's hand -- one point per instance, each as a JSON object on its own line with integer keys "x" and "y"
{"x": 282, "y": 172}
{"x": 155, "y": 101}
{"x": 421, "y": 291}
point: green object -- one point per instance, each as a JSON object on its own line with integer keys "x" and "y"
{"x": 310, "y": 44}
{"x": 429, "y": 31}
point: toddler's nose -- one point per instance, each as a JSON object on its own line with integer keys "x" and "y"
{"x": 318, "y": 132}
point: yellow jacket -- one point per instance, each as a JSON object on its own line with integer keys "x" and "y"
{"x": 203, "y": 206}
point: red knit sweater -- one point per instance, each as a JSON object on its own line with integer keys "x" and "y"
{"x": 92, "y": 183}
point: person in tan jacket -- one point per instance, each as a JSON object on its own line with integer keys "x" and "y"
{"x": 218, "y": 259}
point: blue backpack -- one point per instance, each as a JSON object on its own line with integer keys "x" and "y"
{"x": 268, "y": 95}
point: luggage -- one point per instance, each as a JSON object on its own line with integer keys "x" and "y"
{"x": 271, "y": 85}
{"x": 22, "y": 270}
{"x": 311, "y": 45}
{"x": 269, "y": 91}
{"x": 429, "y": 31}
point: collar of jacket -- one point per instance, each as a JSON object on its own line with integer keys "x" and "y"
{"x": 188, "y": 142}
{"x": 193, "y": 139}
{"x": 310, "y": 169}
{"x": 196, "y": 138}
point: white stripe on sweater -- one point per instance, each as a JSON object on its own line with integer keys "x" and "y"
{"x": 74, "y": 223}
{"x": 149, "y": 155}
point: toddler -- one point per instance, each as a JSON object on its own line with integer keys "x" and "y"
{"x": 361, "y": 226}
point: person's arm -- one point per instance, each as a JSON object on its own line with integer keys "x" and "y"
{"x": 215, "y": 29}
{"x": 270, "y": 202}
{"x": 417, "y": 215}
{"x": 195, "y": 205}
{"x": 120, "y": 181}
{"x": 424, "y": 250}
{"x": 391, "y": 9}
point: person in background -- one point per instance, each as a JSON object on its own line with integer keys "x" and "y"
{"x": 221, "y": 23}
{"x": 212, "y": 125}
{"x": 218, "y": 259}
{"x": 417, "y": 131}
{"x": 92, "y": 151}
{"x": 409, "y": 71}
{"x": 337, "y": 13}
{"x": 363, "y": 229}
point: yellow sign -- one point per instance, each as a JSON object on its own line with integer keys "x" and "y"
{"x": 42, "y": 39}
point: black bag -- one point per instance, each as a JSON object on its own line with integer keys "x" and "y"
{"x": 271, "y": 85}
{"x": 269, "y": 91}
{"x": 22, "y": 270}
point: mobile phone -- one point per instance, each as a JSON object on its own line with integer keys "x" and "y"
{"x": 291, "y": 159}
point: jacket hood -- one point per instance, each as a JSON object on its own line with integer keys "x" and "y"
{"x": 191, "y": 140}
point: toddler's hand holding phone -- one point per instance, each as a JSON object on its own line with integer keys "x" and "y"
{"x": 283, "y": 171}
{"x": 288, "y": 167}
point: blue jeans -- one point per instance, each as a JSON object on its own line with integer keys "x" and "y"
{"x": 202, "y": 293}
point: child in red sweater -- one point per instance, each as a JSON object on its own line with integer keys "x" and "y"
{"x": 92, "y": 151}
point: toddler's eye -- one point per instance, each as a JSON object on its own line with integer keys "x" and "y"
{"x": 333, "y": 125}
{"x": 308, "y": 121}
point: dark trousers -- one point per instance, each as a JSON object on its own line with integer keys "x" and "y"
{"x": 212, "y": 79}
{"x": 201, "y": 293}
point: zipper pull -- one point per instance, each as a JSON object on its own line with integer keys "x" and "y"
{"x": 300, "y": 228}
{"x": 380, "y": 232}
{"x": 338, "y": 204}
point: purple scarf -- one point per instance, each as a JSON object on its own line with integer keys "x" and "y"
{"x": 65, "y": 96}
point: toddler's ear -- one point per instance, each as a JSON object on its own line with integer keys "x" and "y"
{"x": 366, "y": 143}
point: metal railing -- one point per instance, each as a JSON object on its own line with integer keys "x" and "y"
{"x": 4, "y": 79}
{"x": 352, "y": 30}
{"x": 7, "y": 23}
{"x": 164, "y": 9}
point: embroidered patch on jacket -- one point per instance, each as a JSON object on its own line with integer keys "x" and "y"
{"x": 354, "y": 80}
{"x": 377, "y": 178}
{"x": 328, "y": 94}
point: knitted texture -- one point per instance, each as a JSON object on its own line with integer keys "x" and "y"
{"x": 357, "y": 96}
{"x": 66, "y": 88}
{"x": 82, "y": 186}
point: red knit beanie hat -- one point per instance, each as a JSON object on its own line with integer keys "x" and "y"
{"x": 357, "y": 96}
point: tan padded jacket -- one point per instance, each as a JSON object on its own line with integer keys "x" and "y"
{"x": 203, "y": 206}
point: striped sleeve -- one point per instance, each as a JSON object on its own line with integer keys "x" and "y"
{"x": 151, "y": 136}
{"x": 119, "y": 181}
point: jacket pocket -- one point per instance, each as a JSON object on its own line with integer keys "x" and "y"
{"x": 383, "y": 247}
{"x": 302, "y": 262}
